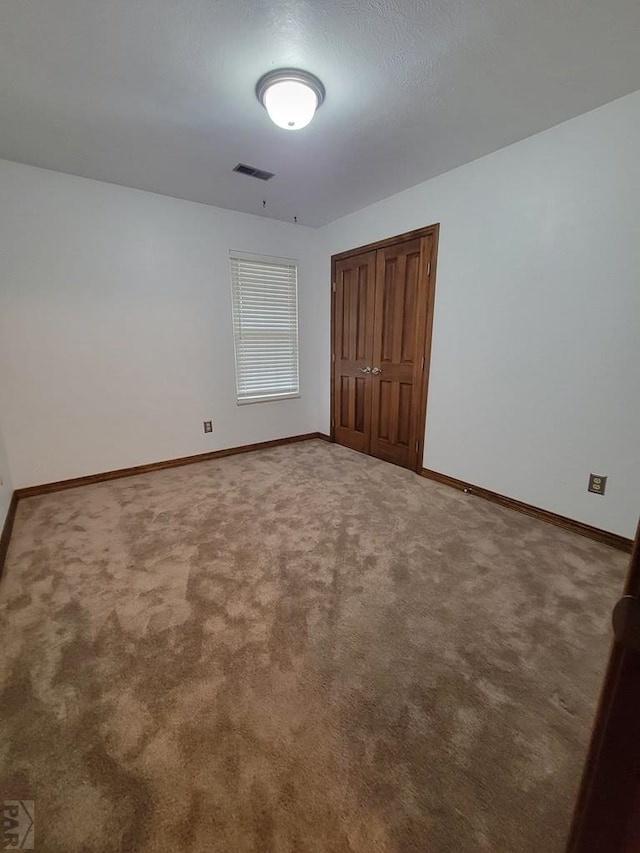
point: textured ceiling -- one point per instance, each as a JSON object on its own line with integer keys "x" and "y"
{"x": 159, "y": 94}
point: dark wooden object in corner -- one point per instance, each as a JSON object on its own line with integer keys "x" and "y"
{"x": 607, "y": 813}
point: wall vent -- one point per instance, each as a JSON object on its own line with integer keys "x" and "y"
{"x": 243, "y": 169}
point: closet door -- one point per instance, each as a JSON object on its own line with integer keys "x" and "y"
{"x": 353, "y": 349}
{"x": 400, "y": 326}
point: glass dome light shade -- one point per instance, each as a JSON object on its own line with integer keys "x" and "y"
{"x": 291, "y": 97}
{"x": 290, "y": 104}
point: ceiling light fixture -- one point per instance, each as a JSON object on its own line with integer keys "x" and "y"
{"x": 291, "y": 97}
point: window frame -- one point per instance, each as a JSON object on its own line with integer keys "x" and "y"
{"x": 265, "y": 260}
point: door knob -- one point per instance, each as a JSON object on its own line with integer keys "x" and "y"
{"x": 376, "y": 371}
{"x": 364, "y": 369}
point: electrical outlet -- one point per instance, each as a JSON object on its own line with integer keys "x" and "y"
{"x": 208, "y": 426}
{"x": 597, "y": 484}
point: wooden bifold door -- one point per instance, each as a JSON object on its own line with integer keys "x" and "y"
{"x": 382, "y": 313}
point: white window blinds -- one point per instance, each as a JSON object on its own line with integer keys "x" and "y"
{"x": 265, "y": 327}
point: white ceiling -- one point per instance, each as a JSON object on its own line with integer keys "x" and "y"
{"x": 159, "y": 94}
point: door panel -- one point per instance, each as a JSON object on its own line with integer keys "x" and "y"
{"x": 405, "y": 392}
{"x": 359, "y": 422}
{"x": 398, "y": 347}
{"x": 353, "y": 349}
{"x": 384, "y": 410}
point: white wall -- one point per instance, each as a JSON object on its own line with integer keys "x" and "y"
{"x": 6, "y": 487}
{"x": 115, "y": 326}
{"x": 535, "y": 377}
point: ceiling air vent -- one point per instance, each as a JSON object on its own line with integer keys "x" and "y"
{"x": 253, "y": 172}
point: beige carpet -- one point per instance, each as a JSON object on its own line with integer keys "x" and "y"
{"x": 299, "y": 650}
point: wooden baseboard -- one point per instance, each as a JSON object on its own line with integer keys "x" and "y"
{"x": 46, "y": 488}
{"x": 619, "y": 542}
{"x": 7, "y": 527}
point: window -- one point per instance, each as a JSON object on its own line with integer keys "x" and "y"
{"x": 265, "y": 327}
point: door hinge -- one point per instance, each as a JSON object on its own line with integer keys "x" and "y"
{"x": 428, "y": 268}
{"x": 333, "y": 287}
{"x": 333, "y": 422}
{"x": 333, "y": 357}
{"x": 417, "y": 446}
{"x": 422, "y": 365}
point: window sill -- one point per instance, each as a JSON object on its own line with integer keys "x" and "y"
{"x": 251, "y": 400}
